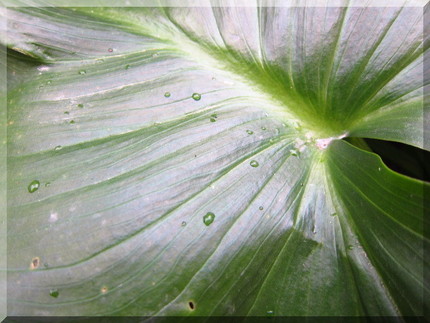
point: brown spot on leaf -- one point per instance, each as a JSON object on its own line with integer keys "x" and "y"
{"x": 191, "y": 305}
{"x": 35, "y": 262}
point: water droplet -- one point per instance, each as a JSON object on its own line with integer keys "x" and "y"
{"x": 127, "y": 66}
{"x": 254, "y": 163}
{"x": 54, "y": 293}
{"x": 58, "y": 147}
{"x": 212, "y": 119}
{"x": 72, "y": 121}
{"x": 214, "y": 115}
{"x": 66, "y": 112}
{"x": 48, "y": 82}
{"x": 249, "y": 132}
{"x": 269, "y": 312}
{"x": 263, "y": 128}
{"x": 33, "y": 186}
{"x": 47, "y": 184}
{"x": 110, "y": 50}
{"x": 379, "y": 168}
{"x": 104, "y": 290}
{"x": 183, "y": 223}
{"x": 295, "y": 152}
{"x": 80, "y": 105}
{"x": 167, "y": 94}
{"x": 196, "y": 96}
{"x": 208, "y": 218}
{"x": 260, "y": 208}
{"x": 82, "y": 72}
{"x": 350, "y": 247}
{"x": 333, "y": 214}
{"x": 296, "y": 125}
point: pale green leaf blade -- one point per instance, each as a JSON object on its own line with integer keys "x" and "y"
{"x": 186, "y": 161}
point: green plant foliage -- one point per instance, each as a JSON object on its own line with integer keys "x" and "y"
{"x": 190, "y": 161}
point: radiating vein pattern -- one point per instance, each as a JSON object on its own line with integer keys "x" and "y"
{"x": 165, "y": 161}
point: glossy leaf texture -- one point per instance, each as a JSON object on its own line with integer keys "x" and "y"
{"x": 189, "y": 161}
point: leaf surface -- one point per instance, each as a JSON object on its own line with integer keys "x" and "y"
{"x": 189, "y": 161}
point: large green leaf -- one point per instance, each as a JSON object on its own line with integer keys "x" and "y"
{"x": 189, "y": 161}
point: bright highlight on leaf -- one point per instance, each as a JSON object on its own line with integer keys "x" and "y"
{"x": 191, "y": 161}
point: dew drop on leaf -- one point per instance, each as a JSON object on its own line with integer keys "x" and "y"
{"x": 208, "y": 218}
{"x": 295, "y": 152}
{"x": 167, "y": 94}
{"x": 127, "y": 66}
{"x": 212, "y": 119}
{"x": 249, "y": 132}
{"x": 82, "y": 72}
{"x": 350, "y": 247}
{"x": 33, "y": 186}
{"x": 110, "y": 50}
{"x": 54, "y": 293}
{"x": 254, "y": 163}
{"x": 58, "y": 147}
{"x": 80, "y": 105}
{"x": 263, "y": 128}
{"x": 72, "y": 121}
{"x": 196, "y": 96}
{"x": 333, "y": 214}
{"x": 269, "y": 313}
{"x": 66, "y": 112}
{"x": 183, "y": 223}
{"x": 296, "y": 125}
{"x": 260, "y": 208}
